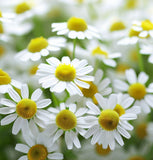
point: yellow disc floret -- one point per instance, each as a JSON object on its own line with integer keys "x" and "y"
{"x": 147, "y": 25}
{"x": 33, "y": 69}
{"x": 119, "y": 109}
{"x": 98, "y": 51}
{"x": 0, "y": 13}
{"x": 108, "y": 119}
{"x": 77, "y": 24}
{"x": 37, "y": 44}
{"x": 66, "y": 120}
{"x": 22, "y": 7}
{"x": 101, "y": 151}
{"x": 65, "y": 72}
{"x": 141, "y": 130}
{"x": 1, "y": 28}
{"x": 131, "y": 4}
{"x": 116, "y": 26}
{"x": 4, "y": 78}
{"x": 136, "y": 158}
{"x": 37, "y": 152}
{"x": 137, "y": 91}
{"x": 26, "y": 108}
{"x": 133, "y": 33}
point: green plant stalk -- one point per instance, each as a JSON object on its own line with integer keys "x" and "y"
{"x": 74, "y": 46}
{"x": 140, "y": 60}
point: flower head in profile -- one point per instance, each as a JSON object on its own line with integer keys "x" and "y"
{"x": 75, "y": 28}
{"x": 7, "y": 82}
{"x": 40, "y": 46}
{"x": 136, "y": 88}
{"x": 69, "y": 121}
{"x": 65, "y": 74}
{"x": 21, "y": 109}
{"x": 109, "y": 120}
{"x": 38, "y": 146}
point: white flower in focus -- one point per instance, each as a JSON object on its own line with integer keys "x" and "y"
{"x": 66, "y": 74}
{"x": 136, "y": 88}
{"x": 110, "y": 121}
{"x": 68, "y": 121}
{"x": 38, "y": 146}
{"x": 40, "y": 47}
{"x": 22, "y": 108}
{"x": 75, "y": 28}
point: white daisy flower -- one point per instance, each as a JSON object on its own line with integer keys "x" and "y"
{"x": 136, "y": 88}
{"x": 40, "y": 46}
{"x": 66, "y": 74}
{"x": 68, "y": 121}
{"x": 99, "y": 85}
{"x": 147, "y": 49}
{"x": 7, "y": 82}
{"x": 39, "y": 147}
{"x": 22, "y": 108}
{"x": 109, "y": 122}
{"x": 138, "y": 32}
{"x": 75, "y": 28}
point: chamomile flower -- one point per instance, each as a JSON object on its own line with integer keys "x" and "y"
{"x": 99, "y": 85}
{"x": 136, "y": 88}
{"x": 75, "y": 28}
{"x": 7, "y": 82}
{"x": 66, "y": 74}
{"x": 68, "y": 121}
{"x": 39, "y": 147}
{"x": 109, "y": 122}
{"x": 22, "y": 108}
{"x": 40, "y": 46}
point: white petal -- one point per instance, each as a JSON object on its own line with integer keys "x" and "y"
{"x": 123, "y": 132}
{"x": 81, "y": 111}
{"x": 91, "y": 131}
{"x": 66, "y": 60}
{"x": 7, "y": 102}
{"x": 85, "y": 70}
{"x": 23, "y": 158}
{"x": 81, "y": 83}
{"x": 14, "y": 95}
{"x": 143, "y": 78}
{"x": 55, "y": 156}
{"x": 43, "y": 103}
{"x": 112, "y": 101}
{"x": 6, "y": 110}
{"x": 118, "y": 138}
{"x": 24, "y": 91}
{"x": 93, "y": 107}
{"x": 22, "y": 148}
{"x": 53, "y": 61}
{"x": 8, "y": 119}
{"x": 36, "y": 94}
{"x": 75, "y": 139}
{"x": 68, "y": 140}
{"x": 59, "y": 87}
{"x": 98, "y": 76}
{"x": 110, "y": 62}
{"x": 57, "y": 135}
{"x": 101, "y": 101}
{"x": 131, "y": 76}
{"x": 120, "y": 85}
{"x": 128, "y": 116}
{"x": 127, "y": 102}
{"x": 17, "y": 126}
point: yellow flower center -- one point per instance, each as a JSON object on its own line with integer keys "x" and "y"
{"x": 1, "y": 28}
{"x": 91, "y": 91}
{"x": 108, "y": 119}
{"x": 65, "y": 72}
{"x": 33, "y": 69}
{"x": 37, "y": 44}
{"x": 4, "y": 78}
{"x": 116, "y": 26}
{"x": 66, "y": 120}
{"x": 26, "y": 108}
{"x": 37, "y": 152}
{"x": 22, "y": 7}
{"x": 131, "y": 4}
{"x": 2, "y": 51}
{"x": 137, "y": 158}
{"x": 121, "y": 68}
{"x": 137, "y": 91}
{"x": 98, "y": 50}
{"x": 147, "y": 25}
{"x": 0, "y": 13}
{"x": 133, "y": 33}
{"x": 77, "y": 24}
{"x": 141, "y": 130}
{"x": 119, "y": 109}
{"x": 101, "y": 151}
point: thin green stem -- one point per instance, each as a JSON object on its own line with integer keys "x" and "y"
{"x": 74, "y": 46}
{"x": 55, "y": 101}
{"x": 140, "y": 60}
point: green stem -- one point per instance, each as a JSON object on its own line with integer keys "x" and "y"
{"x": 140, "y": 60}
{"x": 74, "y": 46}
{"x": 55, "y": 101}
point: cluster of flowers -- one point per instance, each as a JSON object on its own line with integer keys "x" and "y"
{"x": 89, "y": 81}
